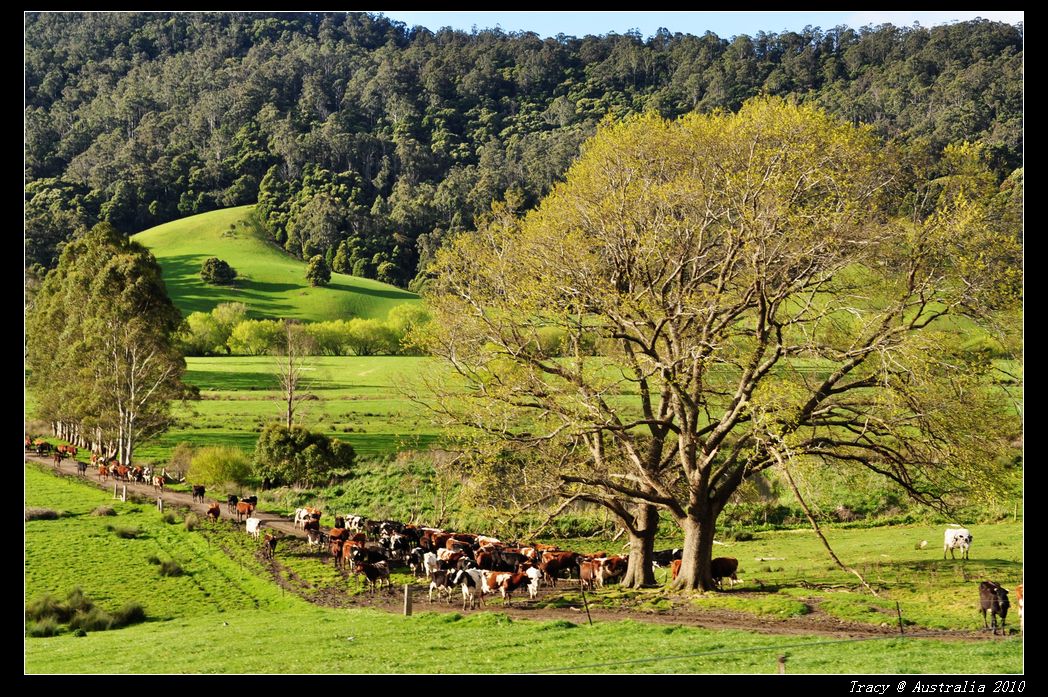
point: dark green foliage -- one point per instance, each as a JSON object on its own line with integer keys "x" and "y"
{"x": 171, "y": 568}
{"x": 299, "y": 457}
{"x": 318, "y": 273}
{"x": 169, "y": 518}
{"x": 217, "y": 272}
{"x": 354, "y": 130}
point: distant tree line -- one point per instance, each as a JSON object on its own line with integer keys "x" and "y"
{"x": 368, "y": 143}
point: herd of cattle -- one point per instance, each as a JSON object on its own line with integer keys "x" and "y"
{"x": 481, "y": 565}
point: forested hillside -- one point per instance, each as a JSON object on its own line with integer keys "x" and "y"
{"x": 369, "y": 141}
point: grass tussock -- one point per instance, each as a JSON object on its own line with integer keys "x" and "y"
{"x": 125, "y": 532}
{"x": 171, "y": 568}
{"x": 46, "y": 614}
{"x": 169, "y": 518}
{"x": 192, "y": 522}
{"x": 103, "y": 511}
{"x": 36, "y": 513}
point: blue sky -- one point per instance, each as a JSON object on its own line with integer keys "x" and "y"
{"x": 724, "y": 24}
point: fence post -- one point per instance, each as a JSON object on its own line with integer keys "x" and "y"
{"x": 407, "y": 600}
{"x": 782, "y": 665}
{"x": 160, "y": 503}
{"x": 123, "y": 493}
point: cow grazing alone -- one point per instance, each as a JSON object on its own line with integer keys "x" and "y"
{"x": 957, "y": 538}
{"x": 994, "y": 598}
{"x": 198, "y": 492}
{"x": 376, "y": 574}
{"x": 724, "y": 567}
{"x": 253, "y": 527}
{"x": 213, "y": 511}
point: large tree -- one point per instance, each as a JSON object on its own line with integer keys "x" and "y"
{"x": 752, "y": 305}
{"x": 101, "y": 345}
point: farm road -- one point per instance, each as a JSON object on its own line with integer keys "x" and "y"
{"x": 171, "y": 498}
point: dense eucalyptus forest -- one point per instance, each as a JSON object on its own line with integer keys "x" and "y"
{"x": 370, "y": 142}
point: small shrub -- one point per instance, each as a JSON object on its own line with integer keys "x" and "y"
{"x": 103, "y": 511}
{"x": 79, "y": 632}
{"x": 171, "y": 568}
{"x": 169, "y": 518}
{"x": 126, "y": 532}
{"x": 34, "y": 513}
{"x": 192, "y": 522}
{"x": 76, "y": 601}
{"x": 130, "y": 613}
{"x": 153, "y": 559}
{"x": 94, "y": 620}
{"x": 45, "y": 627}
{"x": 47, "y": 606}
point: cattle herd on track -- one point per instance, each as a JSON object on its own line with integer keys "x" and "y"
{"x": 478, "y": 564}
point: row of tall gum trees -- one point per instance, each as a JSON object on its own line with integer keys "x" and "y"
{"x": 738, "y": 295}
{"x": 102, "y": 359}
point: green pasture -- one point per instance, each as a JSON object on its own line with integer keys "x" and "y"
{"x": 356, "y": 399}
{"x": 270, "y": 282}
{"x": 225, "y": 615}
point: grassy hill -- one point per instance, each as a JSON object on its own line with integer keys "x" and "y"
{"x": 271, "y": 283}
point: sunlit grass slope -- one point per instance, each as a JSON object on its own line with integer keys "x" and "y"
{"x": 270, "y": 282}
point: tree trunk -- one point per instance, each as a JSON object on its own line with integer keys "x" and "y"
{"x": 698, "y": 551}
{"x": 642, "y": 546}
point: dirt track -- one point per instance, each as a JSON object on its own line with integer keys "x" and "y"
{"x": 816, "y": 622}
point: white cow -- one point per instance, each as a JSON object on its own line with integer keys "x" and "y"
{"x": 253, "y": 526}
{"x": 535, "y": 574}
{"x": 301, "y": 516}
{"x": 472, "y": 581}
{"x": 957, "y": 538}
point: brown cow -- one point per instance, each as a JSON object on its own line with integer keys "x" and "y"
{"x": 213, "y": 511}
{"x": 611, "y": 569}
{"x": 675, "y": 568}
{"x": 724, "y": 567}
{"x": 588, "y": 573}
{"x": 553, "y": 563}
{"x": 506, "y": 582}
{"x": 103, "y": 472}
{"x": 335, "y": 547}
{"x": 244, "y": 510}
{"x": 269, "y": 545}
{"x": 1019, "y": 602}
{"x": 158, "y": 484}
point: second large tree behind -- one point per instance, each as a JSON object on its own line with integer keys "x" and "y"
{"x": 730, "y": 298}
